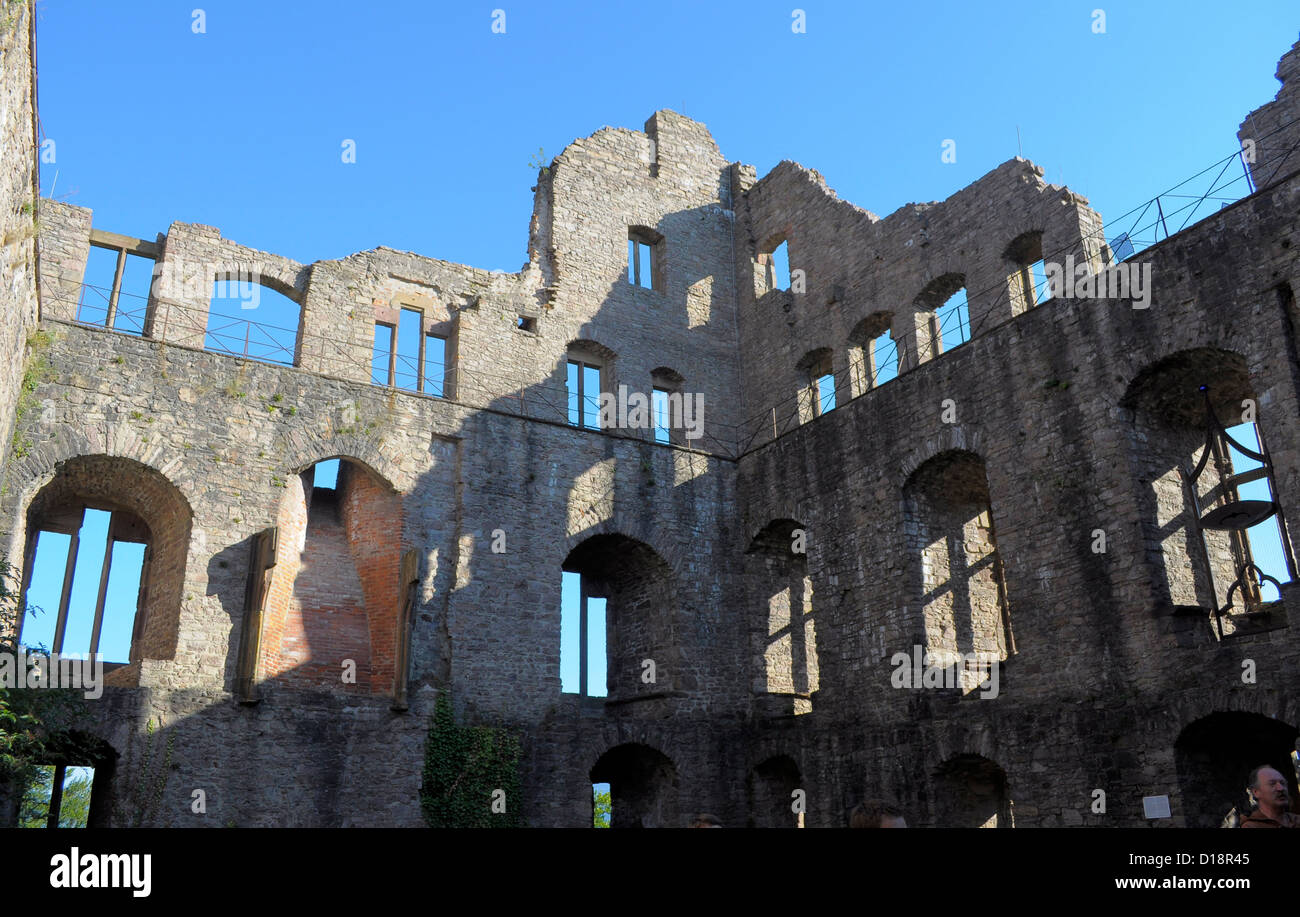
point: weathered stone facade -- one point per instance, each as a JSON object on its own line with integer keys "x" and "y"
{"x": 953, "y": 508}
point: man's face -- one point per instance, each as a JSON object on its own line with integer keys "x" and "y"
{"x": 889, "y": 822}
{"x": 1271, "y": 789}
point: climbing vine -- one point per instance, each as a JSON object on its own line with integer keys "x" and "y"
{"x": 149, "y": 785}
{"x": 37, "y": 370}
{"x": 471, "y": 774}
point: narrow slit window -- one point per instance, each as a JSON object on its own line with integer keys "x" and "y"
{"x": 1040, "y": 289}
{"x": 409, "y": 326}
{"x": 381, "y": 356}
{"x": 662, "y": 416}
{"x": 435, "y": 365}
{"x": 825, "y": 393}
{"x": 602, "y": 807}
{"x": 583, "y": 666}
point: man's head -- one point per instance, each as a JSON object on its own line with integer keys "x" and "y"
{"x": 874, "y": 813}
{"x": 705, "y": 820}
{"x": 1268, "y": 788}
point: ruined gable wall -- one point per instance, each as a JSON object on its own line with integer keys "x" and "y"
{"x": 856, "y": 265}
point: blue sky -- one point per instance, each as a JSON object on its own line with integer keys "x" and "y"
{"x": 241, "y": 127}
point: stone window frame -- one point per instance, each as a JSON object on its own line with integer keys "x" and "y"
{"x": 431, "y": 326}
{"x": 588, "y": 354}
{"x": 815, "y": 366}
{"x": 68, "y": 520}
{"x": 639, "y": 237}
{"x": 670, "y": 382}
{"x": 765, "y": 279}
{"x": 1021, "y": 254}
{"x": 863, "y": 364}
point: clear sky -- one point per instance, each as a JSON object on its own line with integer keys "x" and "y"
{"x": 241, "y": 126}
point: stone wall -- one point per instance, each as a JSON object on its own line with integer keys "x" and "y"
{"x": 19, "y": 217}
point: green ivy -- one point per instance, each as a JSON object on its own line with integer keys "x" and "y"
{"x": 464, "y": 767}
{"x": 37, "y": 370}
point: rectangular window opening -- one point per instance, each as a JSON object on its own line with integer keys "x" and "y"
{"x": 381, "y": 355}
{"x": 826, "y": 393}
{"x": 101, "y": 576}
{"x": 435, "y": 365}
{"x": 662, "y": 415}
{"x": 73, "y": 785}
{"x": 641, "y": 267}
{"x": 579, "y": 612}
{"x": 583, "y": 383}
{"x": 113, "y": 302}
{"x": 409, "y": 327}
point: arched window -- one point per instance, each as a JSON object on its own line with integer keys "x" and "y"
{"x": 771, "y": 786}
{"x": 104, "y": 567}
{"x": 772, "y": 266}
{"x": 785, "y": 638}
{"x": 970, "y": 791}
{"x": 873, "y": 358}
{"x": 642, "y": 786}
{"x": 1214, "y": 527}
{"x": 248, "y": 318}
{"x": 331, "y": 619}
{"x": 942, "y": 319}
{"x": 957, "y": 573}
{"x": 816, "y": 395}
{"x": 1026, "y": 274}
{"x": 618, "y": 603}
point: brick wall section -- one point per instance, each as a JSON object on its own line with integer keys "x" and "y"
{"x": 280, "y": 617}
{"x": 371, "y": 515}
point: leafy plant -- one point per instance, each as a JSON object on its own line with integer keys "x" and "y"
{"x": 28, "y": 716}
{"x": 466, "y": 770}
{"x": 539, "y": 162}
